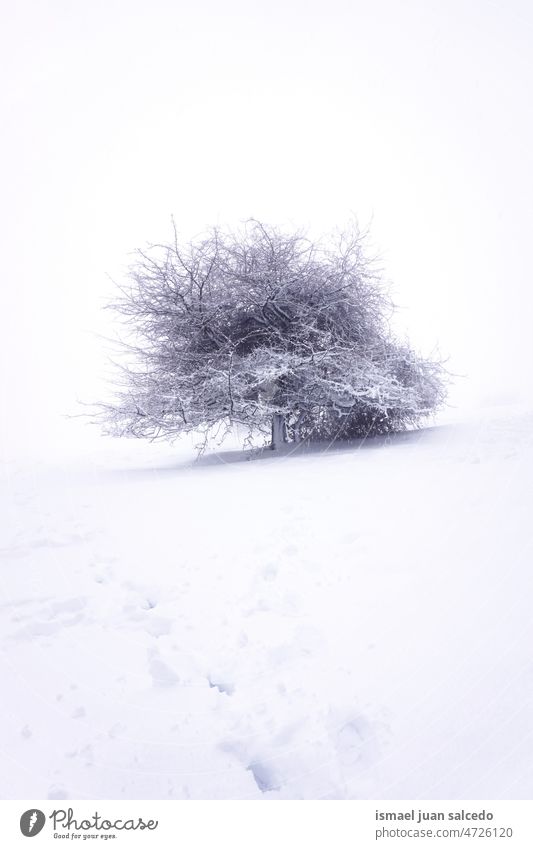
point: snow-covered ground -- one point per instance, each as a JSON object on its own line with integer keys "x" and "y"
{"x": 355, "y": 623}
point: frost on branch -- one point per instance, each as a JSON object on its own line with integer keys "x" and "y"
{"x": 285, "y": 336}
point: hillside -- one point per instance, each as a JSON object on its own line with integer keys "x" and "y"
{"x": 350, "y": 623}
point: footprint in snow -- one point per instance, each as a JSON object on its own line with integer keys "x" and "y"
{"x": 161, "y": 674}
{"x": 56, "y": 792}
{"x": 264, "y": 777}
{"x": 51, "y": 619}
{"x": 223, "y": 686}
{"x": 357, "y": 745}
{"x": 261, "y": 770}
{"x": 50, "y": 611}
{"x": 270, "y": 572}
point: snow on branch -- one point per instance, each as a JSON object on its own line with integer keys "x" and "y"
{"x": 260, "y": 326}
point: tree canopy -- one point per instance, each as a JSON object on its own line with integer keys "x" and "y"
{"x": 274, "y": 331}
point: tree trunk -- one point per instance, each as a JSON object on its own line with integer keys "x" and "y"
{"x": 279, "y": 431}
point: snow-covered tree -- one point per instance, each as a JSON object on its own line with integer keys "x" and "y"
{"x": 270, "y": 330}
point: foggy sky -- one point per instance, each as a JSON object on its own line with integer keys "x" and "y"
{"x": 412, "y": 114}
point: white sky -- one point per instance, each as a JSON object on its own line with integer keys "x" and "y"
{"x": 117, "y": 114}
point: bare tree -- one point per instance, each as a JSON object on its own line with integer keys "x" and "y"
{"x": 284, "y": 335}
